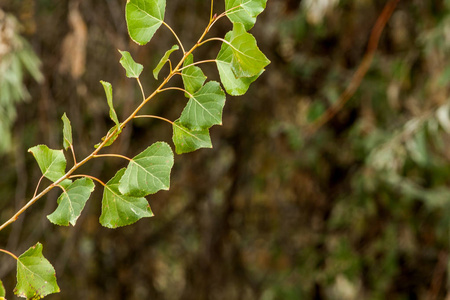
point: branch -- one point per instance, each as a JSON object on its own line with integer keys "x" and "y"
{"x": 94, "y": 154}
{"x": 362, "y": 69}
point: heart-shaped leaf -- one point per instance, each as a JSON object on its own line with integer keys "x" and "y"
{"x": 244, "y": 11}
{"x": 187, "y": 140}
{"x": 234, "y": 86}
{"x": 36, "y": 277}
{"x": 143, "y": 18}
{"x": 109, "y": 97}
{"x": 148, "y": 172}
{"x": 247, "y": 59}
{"x": 67, "y": 132}
{"x": 163, "y": 60}
{"x": 120, "y": 210}
{"x": 51, "y": 162}
{"x": 193, "y": 77}
{"x": 133, "y": 69}
{"x": 71, "y": 202}
{"x": 204, "y": 108}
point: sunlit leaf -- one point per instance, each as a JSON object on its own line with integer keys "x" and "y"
{"x": 187, "y": 140}
{"x": 67, "y": 132}
{"x": 143, "y": 18}
{"x": 244, "y": 11}
{"x": 193, "y": 77}
{"x": 109, "y": 97}
{"x": 247, "y": 60}
{"x": 120, "y": 210}
{"x": 148, "y": 172}
{"x": 204, "y": 108}
{"x": 133, "y": 69}
{"x": 113, "y": 133}
{"x": 71, "y": 202}
{"x": 51, "y": 162}
{"x": 163, "y": 60}
{"x": 36, "y": 277}
{"x": 234, "y": 86}
{"x": 2, "y": 291}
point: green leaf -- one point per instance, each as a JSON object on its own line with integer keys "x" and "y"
{"x": 71, "y": 202}
{"x": 112, "y": 139}
{"x": 67, "y": 132}
{"x": 2, "y": 291}
{"x": 109, "y": 97}
{"x": 51, "y": 162}
{"x": 36, "y": 277}
{"x": 247, "y": 60}
{"x": 143, "y": 18}
{"x": 204, "y": 108}
{"x": 244, "y": 11}
{"x": 163, "y": 60}
{"x": 193, "y": 77}
{"x": 120, "y": 210}
{"x": 148, "y": 172}
{"x": 233, "y": 85}
{"x": 187, "y": 140}
{"x": 133, "y": 69}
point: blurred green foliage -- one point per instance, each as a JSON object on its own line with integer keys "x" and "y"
{"x": 359, "y": 210}
{"x": 16, "y": 58}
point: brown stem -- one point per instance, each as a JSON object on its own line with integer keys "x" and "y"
{"x": 122, "y": 125}
{"x": 362, "y": 69}
{"x": 9, "y": 253}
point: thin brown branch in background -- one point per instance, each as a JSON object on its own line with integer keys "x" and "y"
{"x": 438, "y": 275}
{"x": 362, "y": 69}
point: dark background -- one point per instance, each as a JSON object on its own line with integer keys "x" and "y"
{"x": 359, "y": 209}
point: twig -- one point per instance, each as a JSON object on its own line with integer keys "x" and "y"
{"x": 362, "y": 69}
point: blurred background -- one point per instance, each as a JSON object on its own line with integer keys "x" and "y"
{"x": 358, "y": 209}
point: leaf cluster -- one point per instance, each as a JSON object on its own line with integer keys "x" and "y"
{"x": 239, "y": 63}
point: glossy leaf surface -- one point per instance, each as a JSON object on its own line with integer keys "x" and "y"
{"x": 144, "y": 17}
{"x": 234, "y": 86}
{"x": 132, "y": 68}
{"x": 163, "y": 60}
{"x": 71, "y": 202}
{"x": 51, "y": 162}
{"x": 244, "y": 11}
{"x": 36, "y": 277}
{"x": 187, "y": 140}
{"x": 204, "y": 108}
{"x": 247, "y": 59}
{"x": 67, "y": 132}
{"x": 149, "y": 171}
{"x": 193, "y": 77}
{"x": 120, "y": 210}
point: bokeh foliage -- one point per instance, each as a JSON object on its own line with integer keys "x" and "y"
{"x": 359, "y": 210}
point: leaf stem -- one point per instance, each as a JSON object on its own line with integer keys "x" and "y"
{"x": 217, "y": 39}
{"x": 112, "y": 155}
{"x": 73, "y": 154}
{"x": 9, "y": 253}
{"x": 88, "y": 176}
{"x": 154, "y": 117}
{"x": 198, "y": 63}
{"x": 175, "y": 35}
{"x": 142, "y": 89}
{"x": 223, "y": 14}
{"x": 178, "y": 89}
{"x": 212, "y": 10}
{"x": 37, "y": 186}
